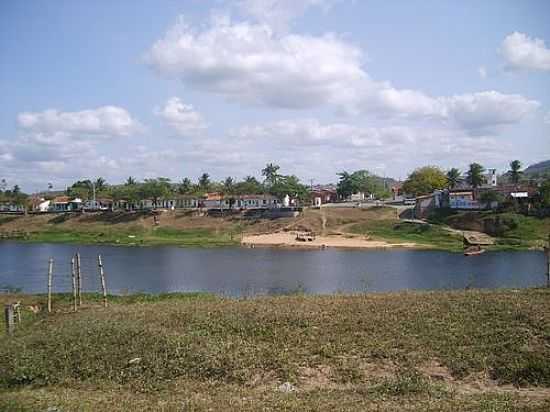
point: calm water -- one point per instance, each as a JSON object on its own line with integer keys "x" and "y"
{"x": 238, "y": 272}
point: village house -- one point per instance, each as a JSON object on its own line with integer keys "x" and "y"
{"x": 10, "y": 207}
{"x": 320, "y": 196}
{"x": 65, "y": 204}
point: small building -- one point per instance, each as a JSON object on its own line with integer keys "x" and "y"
{"x": 10, "y": 207}
{"x": 323, "y": 196}
{"x": 65, "y": 204}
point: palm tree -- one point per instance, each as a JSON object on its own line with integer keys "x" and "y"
{"x": 453, "y": 177}
{"x": 474, "y": 176}
{"x": 100, "y": 184}
{"x": 515, "y": 172}
{"x": 204, "y": 181}
{"x": 130, "y": 181}
{"x": 228, "y": 185}
{"x": 185, "y": 186}
{"x": 270, "y": 173}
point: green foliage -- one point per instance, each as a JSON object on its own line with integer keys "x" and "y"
{"x": 250, "y": 185}
{"x": 288, "y": 185}
{"x": 474, "y": 176}
{"x": 515, "y": 173}
{"x": 453, "y": 177}
{"x": 425, "y": 180}
{"x": 155, "y": 189}
{"x": 361, "y": 181}
{"x": 271, "y": 174}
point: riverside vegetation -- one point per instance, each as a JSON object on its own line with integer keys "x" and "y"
{"x": 445, "y": 351}
{"x": 512, "y": 231}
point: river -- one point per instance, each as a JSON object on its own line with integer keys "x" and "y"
{"x": 235, "y": 271}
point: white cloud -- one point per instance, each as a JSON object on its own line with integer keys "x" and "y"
{"x": 250, "y": 63}
{"x": 524, "y": 52}
{"x": 182, "y": 117}
{"x": 482, "y": 72}
{"x": 279, "y": 13}
{"x": 488, "y": 109}
{"x": 103, "y": 121}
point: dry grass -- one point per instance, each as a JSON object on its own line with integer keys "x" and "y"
{"x": 474, "y": 350}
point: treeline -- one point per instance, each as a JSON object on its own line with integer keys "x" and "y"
{"x": 13, "y": 194}
{"x": 274, "y": 183}
{"x": 365, "y": 182}
{"x": 425, "y": 180}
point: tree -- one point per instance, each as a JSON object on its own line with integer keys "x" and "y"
{"x": 250, "y": 185}
{"x": 474, "y": 176}
{"x": 490, "y": 196}
{"x": 289, "y": 185}
{"x": 204, "y": 182}
{"x": 453, "y": 177}
{"x": 346, "y": 185}
{"x": 186, "y": 186}
{"x": 3, "y": 185}
{"x": 155, "y": 189}
{"x": 228, "y": 185}
{"x": 130, "y": 181}
{"x": 270, "y": 171}
{"x": 425, "y": 180}
{"x": 515, "y": 173}
{"x": 100, "y": 184}
{"x": 16, "y": 190}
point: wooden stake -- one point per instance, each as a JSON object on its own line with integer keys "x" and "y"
{"x": 73, "y": 274}
{"x": 50, "y": 273}
{"x": 102, "y": 277}
{"x": 79, "y": 279}
{"x": 10, "y": 319}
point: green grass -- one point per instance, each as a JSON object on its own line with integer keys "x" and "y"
{"x": 361, "y": 352}
{"x": 431, "y": 236}
{"x": 135, "y": 237}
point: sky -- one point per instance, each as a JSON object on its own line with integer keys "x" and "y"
{"x": 150, "y": 88}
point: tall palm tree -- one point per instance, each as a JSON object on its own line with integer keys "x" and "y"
{"x": 130, "y": 181}
{"x": 453, "y": 177}
{"x": 204, "y": 181}
{"x": 515, "y": 172}
{"x": 100, "y": 184}
{"x": 474, "y": 176}
{"x": 270, "y": 173}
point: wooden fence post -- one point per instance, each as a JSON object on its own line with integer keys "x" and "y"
{"x": 102, "y": 277}
{"x": 79, "y": 279}
{"x": 10, "y": 319}
{"x": 50, "y": 273}
{"x": 73, "y": 275}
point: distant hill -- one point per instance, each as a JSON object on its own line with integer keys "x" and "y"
{"x": 538, "y": 169}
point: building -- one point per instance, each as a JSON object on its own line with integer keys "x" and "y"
{"x": 65, "y": 204}
{"x": 323, "y": 196}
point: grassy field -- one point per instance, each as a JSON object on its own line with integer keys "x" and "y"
{"x": 440, "y": 351}
{"x": 431, "y": 236}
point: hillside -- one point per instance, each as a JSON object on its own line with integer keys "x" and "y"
{"x": 538, "y": 169}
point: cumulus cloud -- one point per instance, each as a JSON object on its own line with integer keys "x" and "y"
{"x": 103, "y": 121}
{"x": 488, "y": 109}
{"x": 279, "y": 13}
{"x": 251, "y": 63}
{"x": 524, "y": 52}
{"x": 182, "y": 117}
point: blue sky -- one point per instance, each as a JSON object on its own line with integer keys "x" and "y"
{"x": 177, "y": 88}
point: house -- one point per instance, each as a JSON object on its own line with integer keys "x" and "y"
{"x": 425, "y": 204}
{"x": 98, "y": 204}
{"x": 65, "y": 204}
{"x": 462, "y": 199}
{"x": 187, "y": 202}
{"x": 321, "y": 196}
{"x": 239, "y": 202}
{"x": 39, "y": 204}
{"x": 10, "y": 207}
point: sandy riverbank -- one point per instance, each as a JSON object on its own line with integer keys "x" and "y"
{"x": 288, "y": 239}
